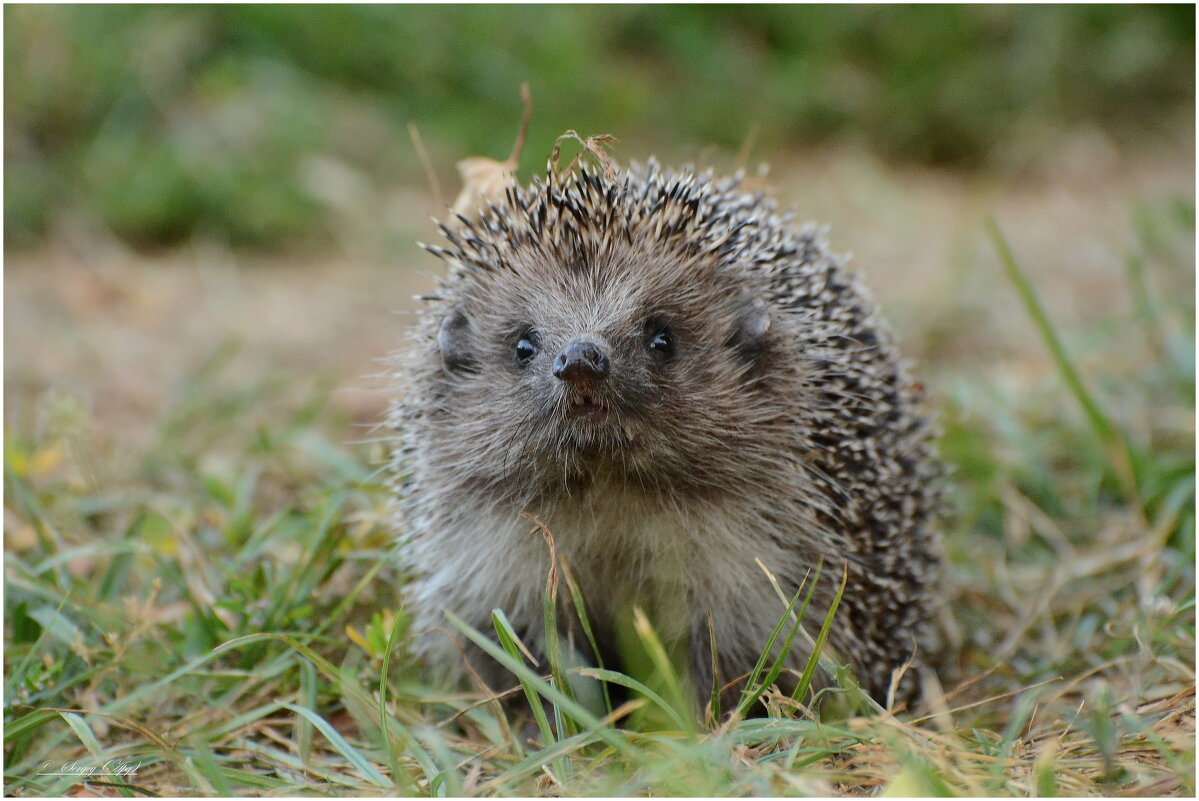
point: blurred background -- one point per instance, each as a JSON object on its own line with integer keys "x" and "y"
{"x": 182, "y": 181}
{"x": 165, "y": 122}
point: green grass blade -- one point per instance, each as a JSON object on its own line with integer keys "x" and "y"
{"x": 1025, "y": 705}
{"x": 713, "y": 691}
{"x": 446, "y": 782}
{"x": 27, "y": 724}
{"x": 319, "y": 561}
{"x": 48, "y": 535}
{"x": 666, "y": 669}
{"x": 1146, "y": 309}
{"x": 1124, "y": 460}
{"x": 224, "y": 728}
{"x": 519, "y": 669}
{"x": 621, "y": 680}
{"x": 508, "y": 639}
{"x": 553, "y": 643}
{"x": 1032, "y": 304}
{"x": 303, "y": 728}
{"x": 349, "y": 687}
{"x": 207, "y": 767}
{"x": 345, "y": 603}
{"x": 576, "y": 598}
{"x": 389, "y": 742}
{"x": 245, "y": 778}
{"x": 21, "y": 669}
{"x": 805, "y": 681}
{"x": 84, "y": 733}
{"x": 754, "y": 688}
{"x": 344, "y": 748}
{"x": 532, "y": 764}
{"x": 58, "y": 625}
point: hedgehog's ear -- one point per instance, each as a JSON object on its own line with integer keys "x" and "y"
{"x": 749, "y": 327}
{"x": 453, "y": 340}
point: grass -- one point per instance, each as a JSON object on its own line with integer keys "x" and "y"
{"x": 250, "y": 124}
{"x": 221, "y": 613}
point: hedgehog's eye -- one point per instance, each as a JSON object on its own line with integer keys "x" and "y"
{"x": 662, "y": 343}
{"x": 526, "y": 348}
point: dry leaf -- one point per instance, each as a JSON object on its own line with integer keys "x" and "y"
{"x": 484, "y": 181}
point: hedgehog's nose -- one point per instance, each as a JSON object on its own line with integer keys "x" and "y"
{"x": 581, "y": 361}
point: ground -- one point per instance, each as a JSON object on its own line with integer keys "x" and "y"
{"x": 135, "y": 385}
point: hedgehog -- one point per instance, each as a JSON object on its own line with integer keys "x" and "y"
{"x": 697, "y": 401}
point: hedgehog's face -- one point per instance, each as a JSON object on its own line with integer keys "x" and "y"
{"x": 565, "y": 371}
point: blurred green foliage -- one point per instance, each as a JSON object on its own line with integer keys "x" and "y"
{"x": 165, "y": 121}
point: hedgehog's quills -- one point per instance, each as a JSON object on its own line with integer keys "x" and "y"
{"x": 678, "y": 381}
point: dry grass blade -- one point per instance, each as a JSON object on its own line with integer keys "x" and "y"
{"x": 426, "y": 162}
{"x": 485, "y": 180}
